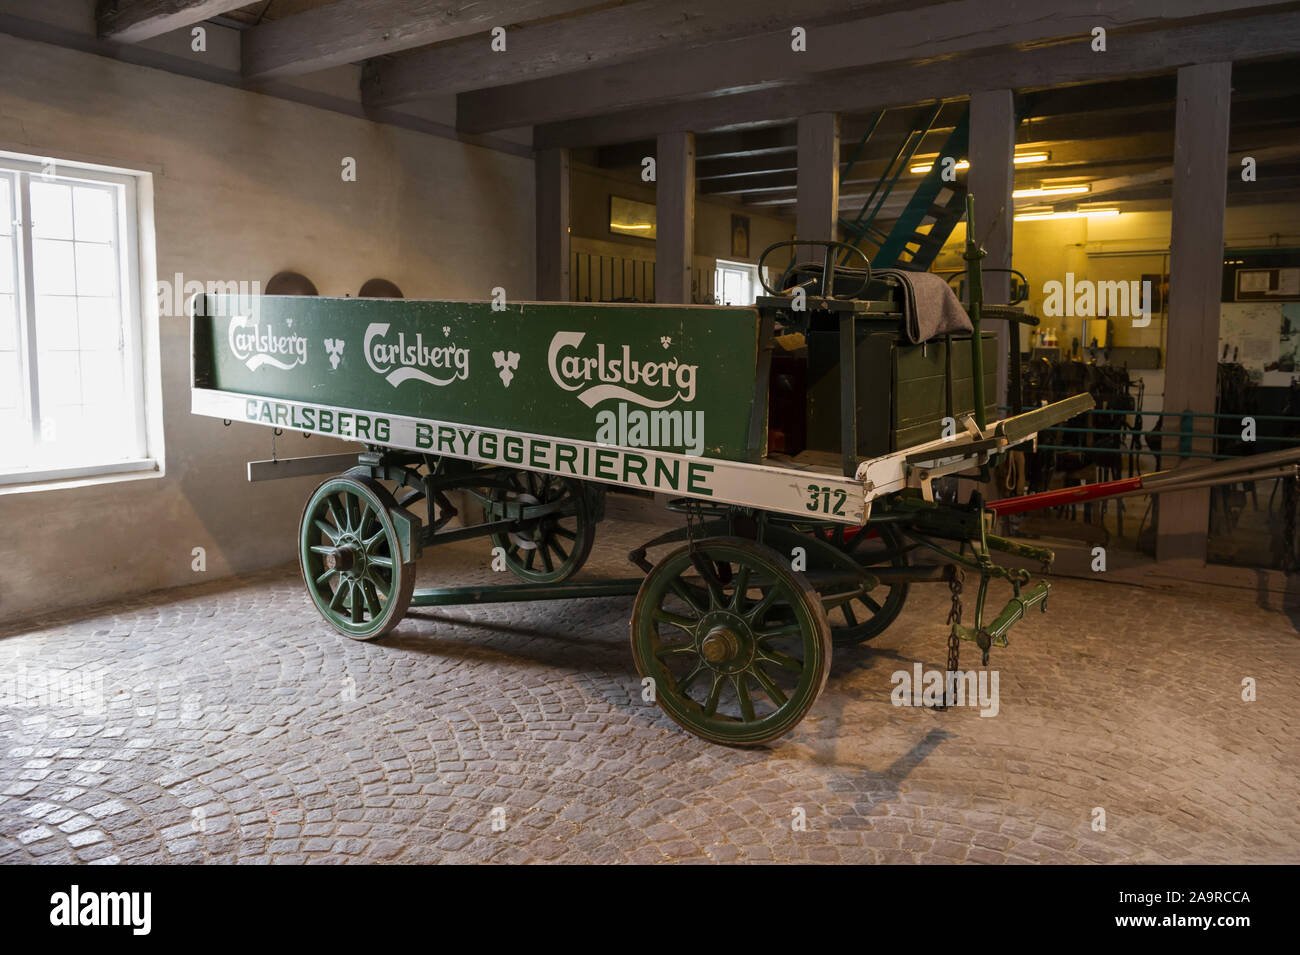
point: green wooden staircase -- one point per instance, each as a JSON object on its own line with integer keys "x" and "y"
{"x": 935, "y": 208}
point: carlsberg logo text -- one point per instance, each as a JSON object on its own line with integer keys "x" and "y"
{"x": 402, "y": 359}
{"x": 256, "y": 345}
{"x": 75, "y": 907}
{"x": 600, "y": 374}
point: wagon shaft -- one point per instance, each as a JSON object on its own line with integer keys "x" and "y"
{"x": 1275, "y": 464}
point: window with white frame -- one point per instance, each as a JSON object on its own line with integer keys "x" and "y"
{"x": 71, "y": 383}
{"x": 735, "y": 283}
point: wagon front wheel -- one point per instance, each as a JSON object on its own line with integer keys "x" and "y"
{"x": 351, "y": 557}
{"x": 737, "y": 644}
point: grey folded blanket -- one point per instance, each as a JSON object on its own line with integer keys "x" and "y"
{"x": 930, "y": 307}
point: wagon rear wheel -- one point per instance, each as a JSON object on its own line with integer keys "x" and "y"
{"x": 867, "y": 616}
{"x": 351, "y": 557}
{"x": 737, "y": 644}
{"x": 551, "y": 547}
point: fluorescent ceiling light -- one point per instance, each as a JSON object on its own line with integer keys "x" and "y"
{"x": 1020, "y": 159}
{"x": 1076, "y": 214}
{"x": 926, "y": 167}
{"x": 1051, "y": 191}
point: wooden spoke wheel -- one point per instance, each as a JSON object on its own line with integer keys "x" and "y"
{"x": 351, "y": 558}
{"x": 737, "y": 644}
{"x": 858, "y": 620}
{"x": 555, "y": 545}
{"x": 853, "y": 619}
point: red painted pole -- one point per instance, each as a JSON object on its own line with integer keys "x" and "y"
{"x": 1064, "y": 496}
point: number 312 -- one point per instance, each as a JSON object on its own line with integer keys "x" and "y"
{"x": 819, "y": 499}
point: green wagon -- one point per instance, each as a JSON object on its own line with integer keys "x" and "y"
{"x": 805, "y": 443}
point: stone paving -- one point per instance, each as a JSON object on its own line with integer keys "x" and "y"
{"x": 227, "y": 723}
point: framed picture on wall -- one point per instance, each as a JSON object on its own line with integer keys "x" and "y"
{"x": 740, "y": 236}
{"x": 1159, "y": 291}
{"x": 629, "y": 217}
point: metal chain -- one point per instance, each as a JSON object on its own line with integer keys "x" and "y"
{"x": 692, "y": 514}
{"x": 954, "y": 641}
{"x": 954, "y": 619}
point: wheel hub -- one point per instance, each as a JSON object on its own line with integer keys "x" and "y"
{"x": 347, "y": 558}
{"x": 719, "y": 646}
{"x": 725, "y": 642}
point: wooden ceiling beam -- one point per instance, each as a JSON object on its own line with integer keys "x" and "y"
{"x": 1265, "y": 35}
{"x": 131, "y": 21}
{"x": 349, "y": 31}
{"x": 602, "y": 37}
{"x": 947, "y": 31}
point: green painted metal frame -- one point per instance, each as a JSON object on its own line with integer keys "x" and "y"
{"x": 509, "y": 593}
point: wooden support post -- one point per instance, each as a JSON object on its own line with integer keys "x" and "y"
{"x": 990, "y": 180}
{"x": 551, "y": 170}
{"x": 675, "y": 217}
{"x": 1195, "y": 279}
{"x": 817, "y": 213}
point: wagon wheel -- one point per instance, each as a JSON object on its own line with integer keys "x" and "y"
{"x": 864, "y": 617}
{"x": 409, "y": 489}
{"x": 552, "y": 547}
{"x": 737, "y": 643}
{"x": 859, "y": 618}
{"x": 351, "y": 558}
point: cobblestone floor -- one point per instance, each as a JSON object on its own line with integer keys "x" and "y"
{"x": 239, "y": 728}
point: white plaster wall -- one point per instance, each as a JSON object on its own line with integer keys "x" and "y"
{"x": 244, "y": 186}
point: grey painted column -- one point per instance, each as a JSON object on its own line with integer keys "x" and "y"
{"x": 1195, "y": 279}
{"x": 990, "y": 180}
{"x": 551, "y": 172}
{"x": 674, "y": 217}
{"x": 818, "y": 206}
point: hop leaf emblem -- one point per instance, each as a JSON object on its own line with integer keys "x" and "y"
{"x": 665, "y": 341}
{"x": 334, "y": 348}
{"x": 507, "y": 362}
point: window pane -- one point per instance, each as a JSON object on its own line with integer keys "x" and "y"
{"x": 60, "y": 382}
{"x": 96, "y": 269}
{"x": 51, "y": 210}
{"x": 55, "y": 274}
{"x": 56, "y": 323}
{"x": 88, "y": 412}
{"x": 99, "y": 322}
{"x": 94, "y": 215}
{"x": 6, "y": 265}
{"x": 10, "y": 392}
{"x": 15, "y": 439}
{"x": 101, "y": 380}
{"x": 8, "y": 326}
{"x": 63, "y": 431}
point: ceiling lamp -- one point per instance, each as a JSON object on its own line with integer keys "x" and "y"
{"x": 1020, "y": 159}
{"x": 927, "y": 166}
{"x": 1076, "y": 214}
{"x": 1051, "y": 191}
